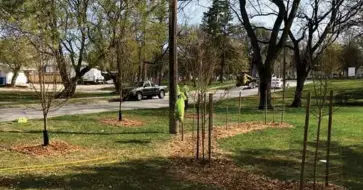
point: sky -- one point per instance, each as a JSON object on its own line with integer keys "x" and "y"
{"x": 192, "y": 12}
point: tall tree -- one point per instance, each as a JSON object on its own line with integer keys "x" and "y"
{"x": 319, "y": 24}
{"x": 67, "y": 22}
{"x": 217, "y": 24}
{"x": 282, "y": 17}
{"x": 352, "y": 54}
{"x": 10, "y": 49}
{"x": 114, "y": 42}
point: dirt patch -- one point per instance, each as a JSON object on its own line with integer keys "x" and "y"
{"x": 235, "y": 129}
{"x": 123, "y": 123}
{"x": 55, "y": 148}
{"x": 187, "y": 147}
{"x": 195, "y": 116}
{"x": 223, "y": 172}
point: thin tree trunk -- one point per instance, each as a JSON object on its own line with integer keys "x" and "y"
{"x": 45, "y": 131}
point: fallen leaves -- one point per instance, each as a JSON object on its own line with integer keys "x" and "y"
{"x": 222, "y": 172}
{"x": 53, "y": 149}
{"x": 123, "y": 123}
{"x": 195, "y": 116}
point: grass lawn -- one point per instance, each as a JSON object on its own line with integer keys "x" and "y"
{"x": 276, "y": 153}
{"x": 111, "y": 157}
{"x": 136, "y": 157}
{"x": 216, "y": 85}
{"x": 19, "y": 98}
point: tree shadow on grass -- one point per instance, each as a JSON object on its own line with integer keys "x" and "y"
{"x": 135, "y": 174}
{"x": 286, "y": 164}
{"x": 134, "y": 141}
{"x": 87, "y": 133}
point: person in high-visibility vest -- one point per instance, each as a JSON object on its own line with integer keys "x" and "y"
{"x": 180, "y": 105}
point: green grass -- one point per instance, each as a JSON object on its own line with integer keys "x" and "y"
{"x": 135, "y": 158}
{"x": 11, "y": 99}
{"x": 216, "y": 85}
{"x": 276, "y": 153}
{"x": 137, "y": 155}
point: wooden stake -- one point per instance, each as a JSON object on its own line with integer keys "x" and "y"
{"x": 203, "y": 124}
{"x": 198, "y": 125}
{"x": 227, "y": 113}
{"x": 329, "y": 139}
{"x": 193, "y": 115}
{"x": 239, "y": 108}
{"x": 210, "y": 127}
{"x": 273, "y": 111}
{"x": 306, "y": 130}
{"x": 265, "y": 107}
{"x": 182, "y": 130}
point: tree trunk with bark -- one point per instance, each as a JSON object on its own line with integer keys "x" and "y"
{"x": 302, "y": 71}
{"x": 15, "y": 76}
{"x": 223, "y": 65}
{"x": 265, "y": 89}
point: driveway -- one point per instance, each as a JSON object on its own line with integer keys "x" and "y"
{"x": 11, "y": 114}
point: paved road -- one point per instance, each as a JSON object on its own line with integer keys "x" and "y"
{"x": 11, "y": 114}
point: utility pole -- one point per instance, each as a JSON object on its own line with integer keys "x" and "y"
{"x": 173, "y": 68}
{"x": 284, "y": 85}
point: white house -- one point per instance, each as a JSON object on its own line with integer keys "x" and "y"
{"x": 359, "y": 72}
{"x": 6, "y": 75}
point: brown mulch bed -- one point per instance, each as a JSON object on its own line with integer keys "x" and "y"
{"x": 195, "y": 116}
{"x": 55, "y": 148}
{"x": 123, "y": 123}
{"x": 223, "y": 172}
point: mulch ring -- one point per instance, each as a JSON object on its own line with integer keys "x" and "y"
{"x": 55, "y": 148}
{"x": 223, "y": 172}
{"x": 123, "y": 123}
{"x": 195, "y": 116}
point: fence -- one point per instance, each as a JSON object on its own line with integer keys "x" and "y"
{"x": 48, "y": 78}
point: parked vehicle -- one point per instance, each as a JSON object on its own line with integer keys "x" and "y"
{"x": 243, "y": 79}
{"x": 93, "y": 76}
{"x": 144, "y": 89}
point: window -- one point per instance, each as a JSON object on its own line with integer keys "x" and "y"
{"x": 146, "y": 84}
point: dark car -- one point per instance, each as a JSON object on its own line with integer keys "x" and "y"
{"x": 145, "y": 89}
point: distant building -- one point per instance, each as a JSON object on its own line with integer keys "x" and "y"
{"x": 359, "y": 72}
{"x": 6, "y": 76}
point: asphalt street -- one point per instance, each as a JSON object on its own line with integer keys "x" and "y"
{"x": 11, "y": 114}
